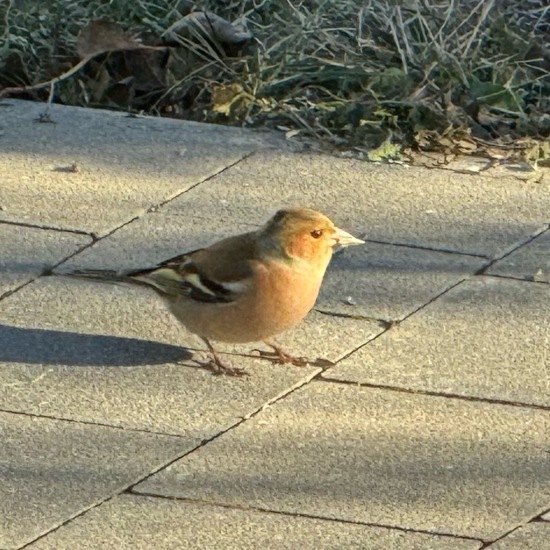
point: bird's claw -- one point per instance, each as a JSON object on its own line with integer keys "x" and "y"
{"x": 218, "y": 368}
{"x": 280, "y": 357}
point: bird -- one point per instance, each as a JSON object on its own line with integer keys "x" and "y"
{"x": 245, "y": 288}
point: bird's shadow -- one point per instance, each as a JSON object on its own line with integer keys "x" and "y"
{"x": 53, "y": 347}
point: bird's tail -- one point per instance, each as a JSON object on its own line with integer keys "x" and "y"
{"x": 164, "y": 281}
{"x": 107, "y": 276}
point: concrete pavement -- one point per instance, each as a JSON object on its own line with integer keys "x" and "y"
{"x": 431, "y": 431}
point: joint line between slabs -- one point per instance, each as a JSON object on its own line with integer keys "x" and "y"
{"x": 258, "y": 410}
{"x": 428, "y": 248}
{"x": 155, "y": 207}
{"x": 47, "y": 228}
{"x": 8, "y": 293}
{"x": 397, "y": 322}
{"x": 252, "y": 508}
{"x": 66, "y": 521}
{"x": 505, "y": 254}
{"x": 96, "y": 239}
{"x": 488, "y": 543}
{"x": 90, "y": 423}
{"x": 432, "y": 393}
{"x": 513, "y": 278}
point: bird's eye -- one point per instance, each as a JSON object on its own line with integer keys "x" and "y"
{"x": 316, "y": 233}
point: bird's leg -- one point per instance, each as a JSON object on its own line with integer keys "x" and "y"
{"x": 217, "y": 366}
{"x": 281, "y": 357}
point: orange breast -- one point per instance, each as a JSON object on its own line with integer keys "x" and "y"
{"x": 279, "y": 299}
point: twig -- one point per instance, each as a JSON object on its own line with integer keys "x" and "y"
{"x": 398, "y": 46}
{"x": 50, "y": 83}
{"x": 484, "y": 12}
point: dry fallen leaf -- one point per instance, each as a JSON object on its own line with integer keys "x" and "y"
{"x": 225, "y": 97}
{"x": 292, "y": 133}
{"x": 132, "y": 67}
{"x": 103, "y": 36}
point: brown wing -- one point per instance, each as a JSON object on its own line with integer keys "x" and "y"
{"x": 201, "y": 274}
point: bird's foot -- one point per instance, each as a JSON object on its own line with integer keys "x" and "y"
{"x": 218, "y": 367}
{"x": 281, "y": 357}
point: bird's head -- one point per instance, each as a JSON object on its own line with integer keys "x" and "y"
{"x": 307, "y": 235}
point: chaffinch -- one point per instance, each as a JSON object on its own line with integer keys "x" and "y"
{"x": 248, "y": 287}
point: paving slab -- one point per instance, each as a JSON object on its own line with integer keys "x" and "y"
{"x": 530, "y": 262}
{"x": 26, "y": 251}
{"x": 124, "y": 164}
{"x": 135, "y": 522}
{"x": 389, "y": 282}
{"x": 533, "y": 536}
{"x": 114, "y": 355}
{"x": 390, "y": 203}
{"x": 340, "y": 451}
{"x": 487, "y": 337}
{"x": 52, "y": 470}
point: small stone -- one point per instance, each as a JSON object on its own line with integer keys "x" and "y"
{"x": 350, "y": 301}
{"x": 71, "y": 167}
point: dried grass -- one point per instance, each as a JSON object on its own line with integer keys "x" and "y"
{"x": 351, "y": 74}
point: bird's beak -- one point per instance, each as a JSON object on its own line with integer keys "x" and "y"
{"x": 344, "y": 239}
